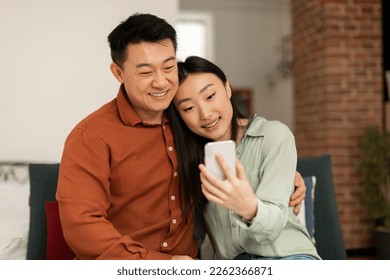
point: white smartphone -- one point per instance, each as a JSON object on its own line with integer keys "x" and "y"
{"x": 228, "y": 151}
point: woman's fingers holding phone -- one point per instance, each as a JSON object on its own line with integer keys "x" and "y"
{"x": 212, "y": 187}
{"x": 225, "y": 167}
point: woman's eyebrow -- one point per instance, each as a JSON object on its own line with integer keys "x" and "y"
{"x": 201, "y": 91}
{"x": 205, "y": 88}
{"x": 183, "y": 100}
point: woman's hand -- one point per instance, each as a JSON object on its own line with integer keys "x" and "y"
{"x": 233, "y": 193}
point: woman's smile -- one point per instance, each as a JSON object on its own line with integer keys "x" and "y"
{"x": 211, "y": 125}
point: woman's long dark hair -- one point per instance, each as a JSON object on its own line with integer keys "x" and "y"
{"x": 189, "y": 146}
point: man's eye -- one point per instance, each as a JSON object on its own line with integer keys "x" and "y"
{"x": 169, "y": 68}
{"x": 145, "y": 73}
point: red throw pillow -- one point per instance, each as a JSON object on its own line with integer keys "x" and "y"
{"x": 56, "y": 246}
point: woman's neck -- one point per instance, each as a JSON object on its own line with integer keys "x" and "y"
{"x": 242, "y": 126}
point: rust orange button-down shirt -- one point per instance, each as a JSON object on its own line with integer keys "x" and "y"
{"x": 118, "y": 188}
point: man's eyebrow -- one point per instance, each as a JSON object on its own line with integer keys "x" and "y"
{"x": 201, "y": 91}
{"x": 149, "y": 65}
{"x": 170, "y": 58}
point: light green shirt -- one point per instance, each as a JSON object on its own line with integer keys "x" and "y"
{"x": 269, "y": 156}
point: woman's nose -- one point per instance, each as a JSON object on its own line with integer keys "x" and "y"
{"x": 205, "y": 113}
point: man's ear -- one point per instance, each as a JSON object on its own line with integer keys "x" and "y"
{"x": 117, "y": 72}
{"x": 228, "y": 89}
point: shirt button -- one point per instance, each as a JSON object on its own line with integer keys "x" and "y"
{"x": 175, "y": 174}
{"x": 170, "y": 149}
{"x": 173, "y": 197}
{"x": 165, "y": 244}
{"x": 174, "y": 221}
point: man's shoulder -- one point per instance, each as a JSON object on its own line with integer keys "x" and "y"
{"x": 107, "y": 112}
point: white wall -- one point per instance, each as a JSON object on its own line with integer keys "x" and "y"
{"x": 247, "y": 45}
{"x": 54, "y": 68}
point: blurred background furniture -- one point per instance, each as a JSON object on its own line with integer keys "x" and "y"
{"x": 45, "y": 239}
{"x": 327, "y": 228}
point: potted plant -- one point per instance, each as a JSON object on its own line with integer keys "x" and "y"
{"x": 375, "y": 168}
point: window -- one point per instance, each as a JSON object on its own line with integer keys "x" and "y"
{"x": 195, "y": 35}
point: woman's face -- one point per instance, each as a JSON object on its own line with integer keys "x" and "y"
{"x": 203, "y": 102}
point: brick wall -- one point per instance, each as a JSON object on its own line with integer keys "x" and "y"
{"x": 337, "y": 72}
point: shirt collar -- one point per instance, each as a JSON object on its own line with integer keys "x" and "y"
{"x": 127, "y": 114}
{"x": 256, "y": 126}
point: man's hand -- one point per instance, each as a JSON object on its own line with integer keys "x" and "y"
{"x": 299, "y": 194}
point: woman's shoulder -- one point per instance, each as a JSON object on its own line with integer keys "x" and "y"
{"x": 269, "y": 127}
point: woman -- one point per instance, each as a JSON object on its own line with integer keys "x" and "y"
{"x": 247, "y": 216}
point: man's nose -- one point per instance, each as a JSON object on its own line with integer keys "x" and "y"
{"x": 159, "y": 79}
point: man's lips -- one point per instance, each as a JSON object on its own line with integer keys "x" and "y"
{"x": 158, "y": 94}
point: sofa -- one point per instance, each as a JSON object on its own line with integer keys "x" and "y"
{"x": 31, "y": 226}
{"x": 32, "y": 229}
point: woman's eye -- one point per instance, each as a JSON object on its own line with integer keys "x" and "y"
{"x": 188, "y": 109}
{"x": 210, "y": 96}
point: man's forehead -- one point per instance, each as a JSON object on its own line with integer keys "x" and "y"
{"x": 146, "y": 53}
{"x": 166, "y": 44}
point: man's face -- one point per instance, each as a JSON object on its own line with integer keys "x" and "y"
{"x": 150, "y": 77}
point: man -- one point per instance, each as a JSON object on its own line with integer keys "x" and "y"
{"x": 118, "y": 189}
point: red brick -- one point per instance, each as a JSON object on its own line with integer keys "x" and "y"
{"x": 338, "y": 92}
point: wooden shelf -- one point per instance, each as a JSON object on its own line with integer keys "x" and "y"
{"x": 244, "y": 100}
{"x": 387, "y": 115}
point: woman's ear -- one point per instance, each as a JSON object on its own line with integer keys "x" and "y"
{"x": 228, "y": 89}
{"x": 117, "y": 72}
